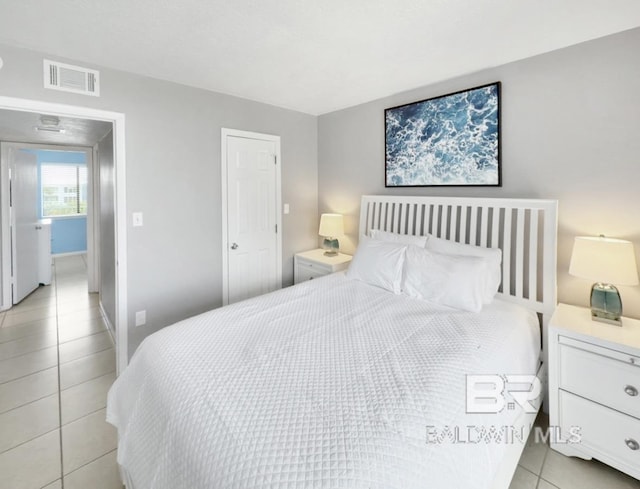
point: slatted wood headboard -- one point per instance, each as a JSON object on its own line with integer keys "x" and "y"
{"x": 524, "y": 229}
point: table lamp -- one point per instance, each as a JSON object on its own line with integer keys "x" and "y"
{"x": 331, "y": 226}
{"x": 608, "y": 261}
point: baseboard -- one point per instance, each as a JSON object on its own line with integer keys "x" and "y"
{"x": 110, "y": 328}
{"x": 70, "y": 253}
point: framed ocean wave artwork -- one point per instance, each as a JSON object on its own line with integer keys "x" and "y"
{"x": 451, "y": 140}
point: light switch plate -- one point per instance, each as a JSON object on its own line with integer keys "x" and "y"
{"x": 137, "y": 219}
{"x": 286, "y": 209}
{"x": 141, "y": 318}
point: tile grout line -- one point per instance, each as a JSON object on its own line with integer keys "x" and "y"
{"x": 89, "y": 462}
{"x": 27, "y": 375}
{"x": 54, "y": 316}
{"x": 34, "y": 351}
{"x": 89, "y": 354}
{"x": 88, "y": 380}
{"x": 27, "y": 441}
{"x": 27, "y": 403}
{"x": 50, "y": 329}
{"x": 85, "y": 415}
{"x": 17, "y": 309}
{"x": 81, "y": 337}
{"x": 92, "y": 378}
{"x": 530, "y": 471}
{"x": 54, "y": 366}
{"x": 55, "y": 279}
{"x": 50, "y": 346}
{"x": 544, "y": 461}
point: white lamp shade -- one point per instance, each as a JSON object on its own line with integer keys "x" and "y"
{"x": 604, "y": 260}
{"x": 331, "y": 225}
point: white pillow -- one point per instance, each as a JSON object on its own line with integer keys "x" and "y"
{"x": 398, "y": 238}
{"x": 492, "y": 257}
{"x": 378, "y": 263}
{"x": 451, "y": 280}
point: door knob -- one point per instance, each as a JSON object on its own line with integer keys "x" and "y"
{"x": 234, "y": 246}
{"x": 38, "y": 227}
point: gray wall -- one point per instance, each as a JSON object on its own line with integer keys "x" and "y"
{"x": 570, "y": 131}
{"x": 173, "y": 176}
{"x": 106, "y": 169}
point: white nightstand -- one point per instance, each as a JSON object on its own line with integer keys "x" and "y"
{"x": 594, "y": 384}
{"x": 312, "y": 264}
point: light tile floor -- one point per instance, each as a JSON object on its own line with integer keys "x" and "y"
{"x": 57, "y": 363}
{"x": 541, "y": 467}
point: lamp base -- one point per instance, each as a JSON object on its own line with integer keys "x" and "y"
{"x": 606, "y": 305}
{"x": 330, "y": 247}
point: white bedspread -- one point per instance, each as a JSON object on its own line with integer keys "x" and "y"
{"x": 328, "y": 384}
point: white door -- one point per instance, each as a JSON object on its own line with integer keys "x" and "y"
{"x": 23, "y": 167}
{"x": 252, "y": 218}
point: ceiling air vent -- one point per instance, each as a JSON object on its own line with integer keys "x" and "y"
{"x": 69, "y": 78}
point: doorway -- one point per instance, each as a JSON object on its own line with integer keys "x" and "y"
{"x": 118, "y": 216}
{"x": 52, "y": 202}
{"x": 251, "y": 218}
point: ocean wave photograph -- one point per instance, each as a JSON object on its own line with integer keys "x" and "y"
{"x": 448, "y": 140}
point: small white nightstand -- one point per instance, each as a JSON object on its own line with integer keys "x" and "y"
{"x": 312, "y": 264}
{"x": 594, "y": 384}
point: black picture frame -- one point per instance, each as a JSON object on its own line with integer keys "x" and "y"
{"x": 452, "y": 140}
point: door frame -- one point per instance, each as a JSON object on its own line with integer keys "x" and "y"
{"x": 117, "y": 119}
{"x": 225, "y": 132}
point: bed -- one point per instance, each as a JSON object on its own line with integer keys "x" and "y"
{"x": 336, "y": 383}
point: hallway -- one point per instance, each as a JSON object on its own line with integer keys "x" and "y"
{"x": 57, "y": 363}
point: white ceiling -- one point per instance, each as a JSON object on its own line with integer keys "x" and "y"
{"x": 311, "y": 56}
{"x": 20, "y": 127}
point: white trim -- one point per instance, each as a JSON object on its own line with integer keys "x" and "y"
{"x": 67, "y": 217}
{"x": 70, "y": 253}
{"x": 93, "y": 232}
{"x": 118, "y": 121}
{"x": 225, "y": 132}
{"x": 5, "y": 224}
{"x": 105, "y": 318}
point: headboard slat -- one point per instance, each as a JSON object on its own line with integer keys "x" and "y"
{"x": 506, "y": 252}
{"x": 473, "y": 226}
{"x": 410, "y": 228}
{"x": 519, "y": 262}
{"x": 495, "y": 228}
{"x": 484, "y": 225}
{"x": 463, "y": 225}
{"x": 454, "y": 223}
{"x": 533, "y": 254}
{"x": 396, "y": 218}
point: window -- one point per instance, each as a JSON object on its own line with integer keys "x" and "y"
{"x": 63, "y": 190}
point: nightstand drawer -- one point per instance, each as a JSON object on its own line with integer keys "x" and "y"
{"x": 311, "y": 265}
{"x": 606, "y": 432}
{"x": 305, "y": 273}
{"x": 600, "y": 374}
